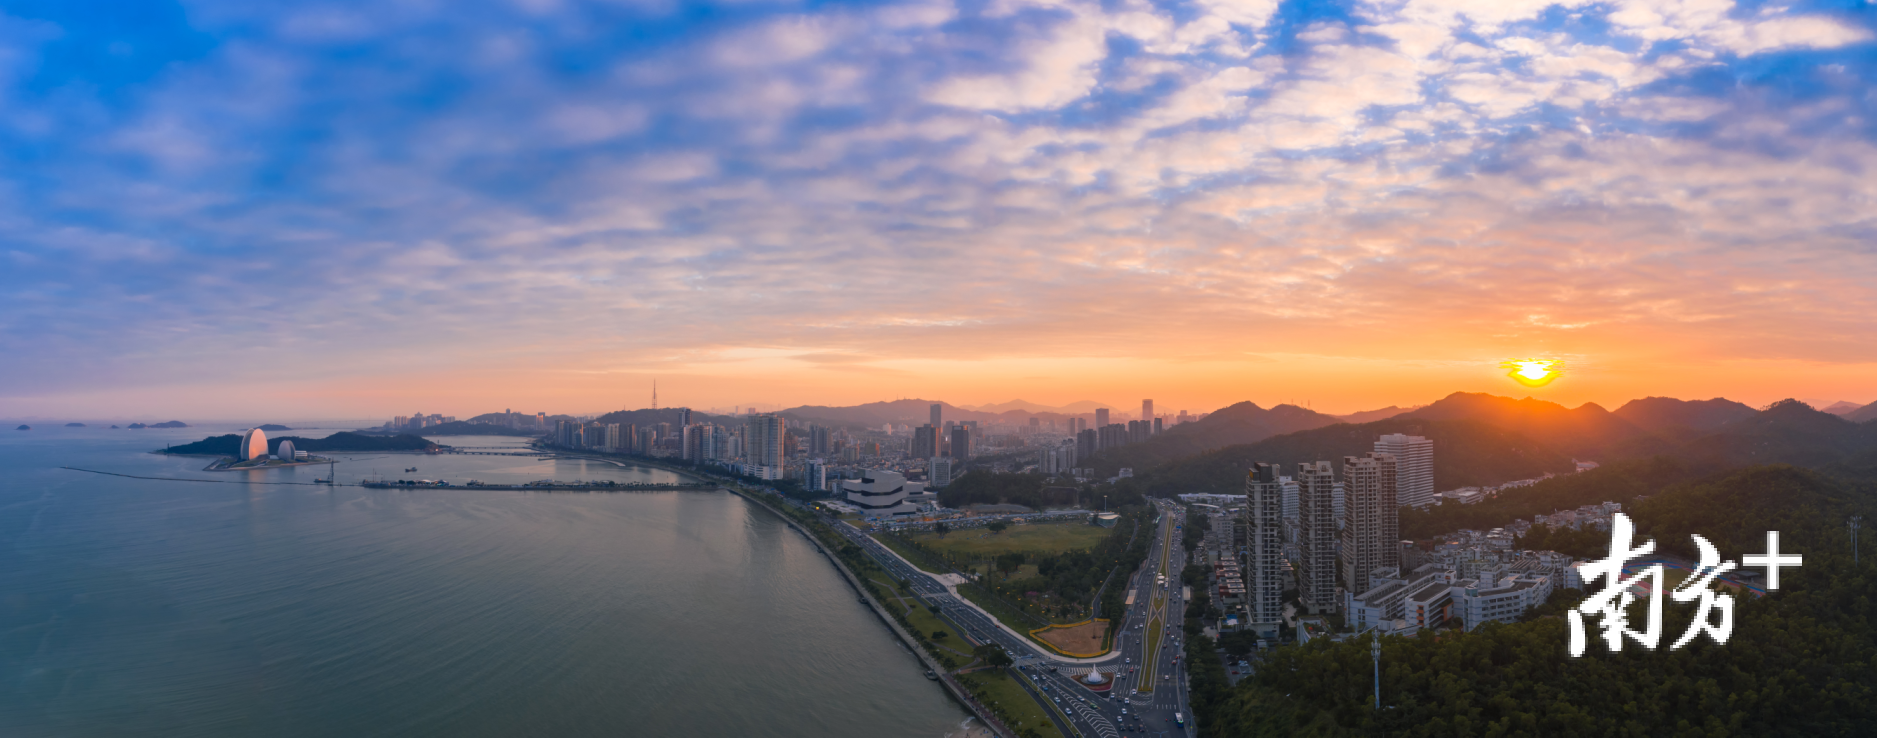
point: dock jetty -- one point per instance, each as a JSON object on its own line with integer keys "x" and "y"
{"x": 539, "y": 486}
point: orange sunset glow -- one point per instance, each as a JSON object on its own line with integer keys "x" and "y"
{"x": 1348, "y": 212}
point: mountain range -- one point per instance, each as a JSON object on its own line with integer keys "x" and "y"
{"x": 1487, "y": 439}
{"x": 1083, "y": 407}
{"x": 919, "y": 412}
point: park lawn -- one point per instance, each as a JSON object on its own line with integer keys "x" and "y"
{"x": 1046, "y": 538}
{"x": 1002, "y": 689}
{"x": 991, "y": 574}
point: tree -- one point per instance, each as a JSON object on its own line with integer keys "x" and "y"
{"x": 992, "y": 654}
{"x": 939, "y": 635}
{"x": 1009, "y": 562}
{"x": 998, "y": 526}
{"x": 941, "y": 529}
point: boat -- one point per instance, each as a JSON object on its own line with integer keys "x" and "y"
{"x": 932, "y": 675}
{"x": 412, "y": 469}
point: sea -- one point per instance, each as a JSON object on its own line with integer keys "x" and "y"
{"x": 259, "y": 604}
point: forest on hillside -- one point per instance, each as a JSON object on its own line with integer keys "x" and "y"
{"x": 1466, "y": 453}
{"x": 1800, "y": 662}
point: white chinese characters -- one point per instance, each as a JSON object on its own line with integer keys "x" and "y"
{"x": 1612, "y": 603}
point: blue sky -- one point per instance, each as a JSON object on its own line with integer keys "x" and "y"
{"x": 342, "y": 207}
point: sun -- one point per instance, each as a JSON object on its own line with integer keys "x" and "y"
{"x": 1534, "y": 372}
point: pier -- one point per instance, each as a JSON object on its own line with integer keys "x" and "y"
{"x": 537, "y": 487}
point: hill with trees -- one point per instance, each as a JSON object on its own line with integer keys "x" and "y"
{"x": 645, "y": 417}
{"x": 1786, "y": 432}
{"x": 1029, "y": 490}
{"x": 1659, "y": 414}
{"x": 229, "y": 445}
{"x": 1801, "y": 661}
{"x": 910, "y": 412}
{"x": 1466, "y": 453}
{"x": 1242, "y": 423}
{"x": 1585, "y": 432}
{"x": 1370, "y": 416}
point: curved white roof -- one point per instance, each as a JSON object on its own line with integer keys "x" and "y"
{"x": 253, "y": 445}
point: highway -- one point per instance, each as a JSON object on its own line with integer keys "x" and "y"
{"x": 1132, "y": 706}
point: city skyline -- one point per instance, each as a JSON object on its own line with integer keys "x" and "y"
{"x": 238, "y": 209}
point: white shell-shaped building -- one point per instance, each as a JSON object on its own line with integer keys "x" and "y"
{"x": 879, "y": 493}
{"x": 253, "y": 445}
{"x": 285, "y": 452}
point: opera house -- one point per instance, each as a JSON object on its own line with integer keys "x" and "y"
{"x": 253, "y": 446}
{"x": 879, "y": 493}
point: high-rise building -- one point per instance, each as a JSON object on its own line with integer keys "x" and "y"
{"x": 1414, "y": 467}
{"x": 925, "y": 441}
{"x": 939, "y": 472}
{"x": 1159, "y": 425}
{"x": 684, "y": 417}
{"x": 815, "y": 475}
{"x": 1316, "y": 567}
{"x": 938, "y": 415}
{"x": 1086, "y": 443}
{"x": 1058, "y": 459}
{"x": 1101, "y": 417}
{"x": 961, "y": 442}
{"x": 1147, "y": 411}
{"x": 1264, "y": 575}
{"x": 696, "y": 442}
{"x": 762, "y": 442}
{"x": 540, "y": 421}
{"x": 1371, "y": 533}
{"x": 818, "y": 441}
{"x": 1036, "y": 425}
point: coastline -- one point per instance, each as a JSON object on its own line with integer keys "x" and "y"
{"x": 987, "y": 722}
{"x": 957, "y": 693}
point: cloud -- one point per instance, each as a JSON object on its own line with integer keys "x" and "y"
{"x": 579, "y": 183}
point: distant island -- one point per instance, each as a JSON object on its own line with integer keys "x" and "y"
{"x": 270, "y": 428}
{"x": 230, "y": 445}
{"x": 24, "y": 427}
{"x": 169, "y": 424}
{"x": 458, "y": 428}
{"x": 74, "y": 425}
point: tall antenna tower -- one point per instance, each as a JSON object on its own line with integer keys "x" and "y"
{"x": 654, "y": 394}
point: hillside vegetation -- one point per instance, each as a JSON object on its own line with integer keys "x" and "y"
{"x": 1242, "y": 423}
{"x": 1801, "y": 662}
{"x": 1466, "y": 453}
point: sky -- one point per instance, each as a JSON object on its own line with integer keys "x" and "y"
{"x": 219, "y": 207}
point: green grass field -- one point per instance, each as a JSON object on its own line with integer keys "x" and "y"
{"x": 1023, "y": 711}
{"x": 979, "y": 542}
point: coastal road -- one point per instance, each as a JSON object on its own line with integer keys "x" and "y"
{"x": 1129, "y": 707}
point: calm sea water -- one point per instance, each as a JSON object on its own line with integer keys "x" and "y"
{"x": 132, "y": 607}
